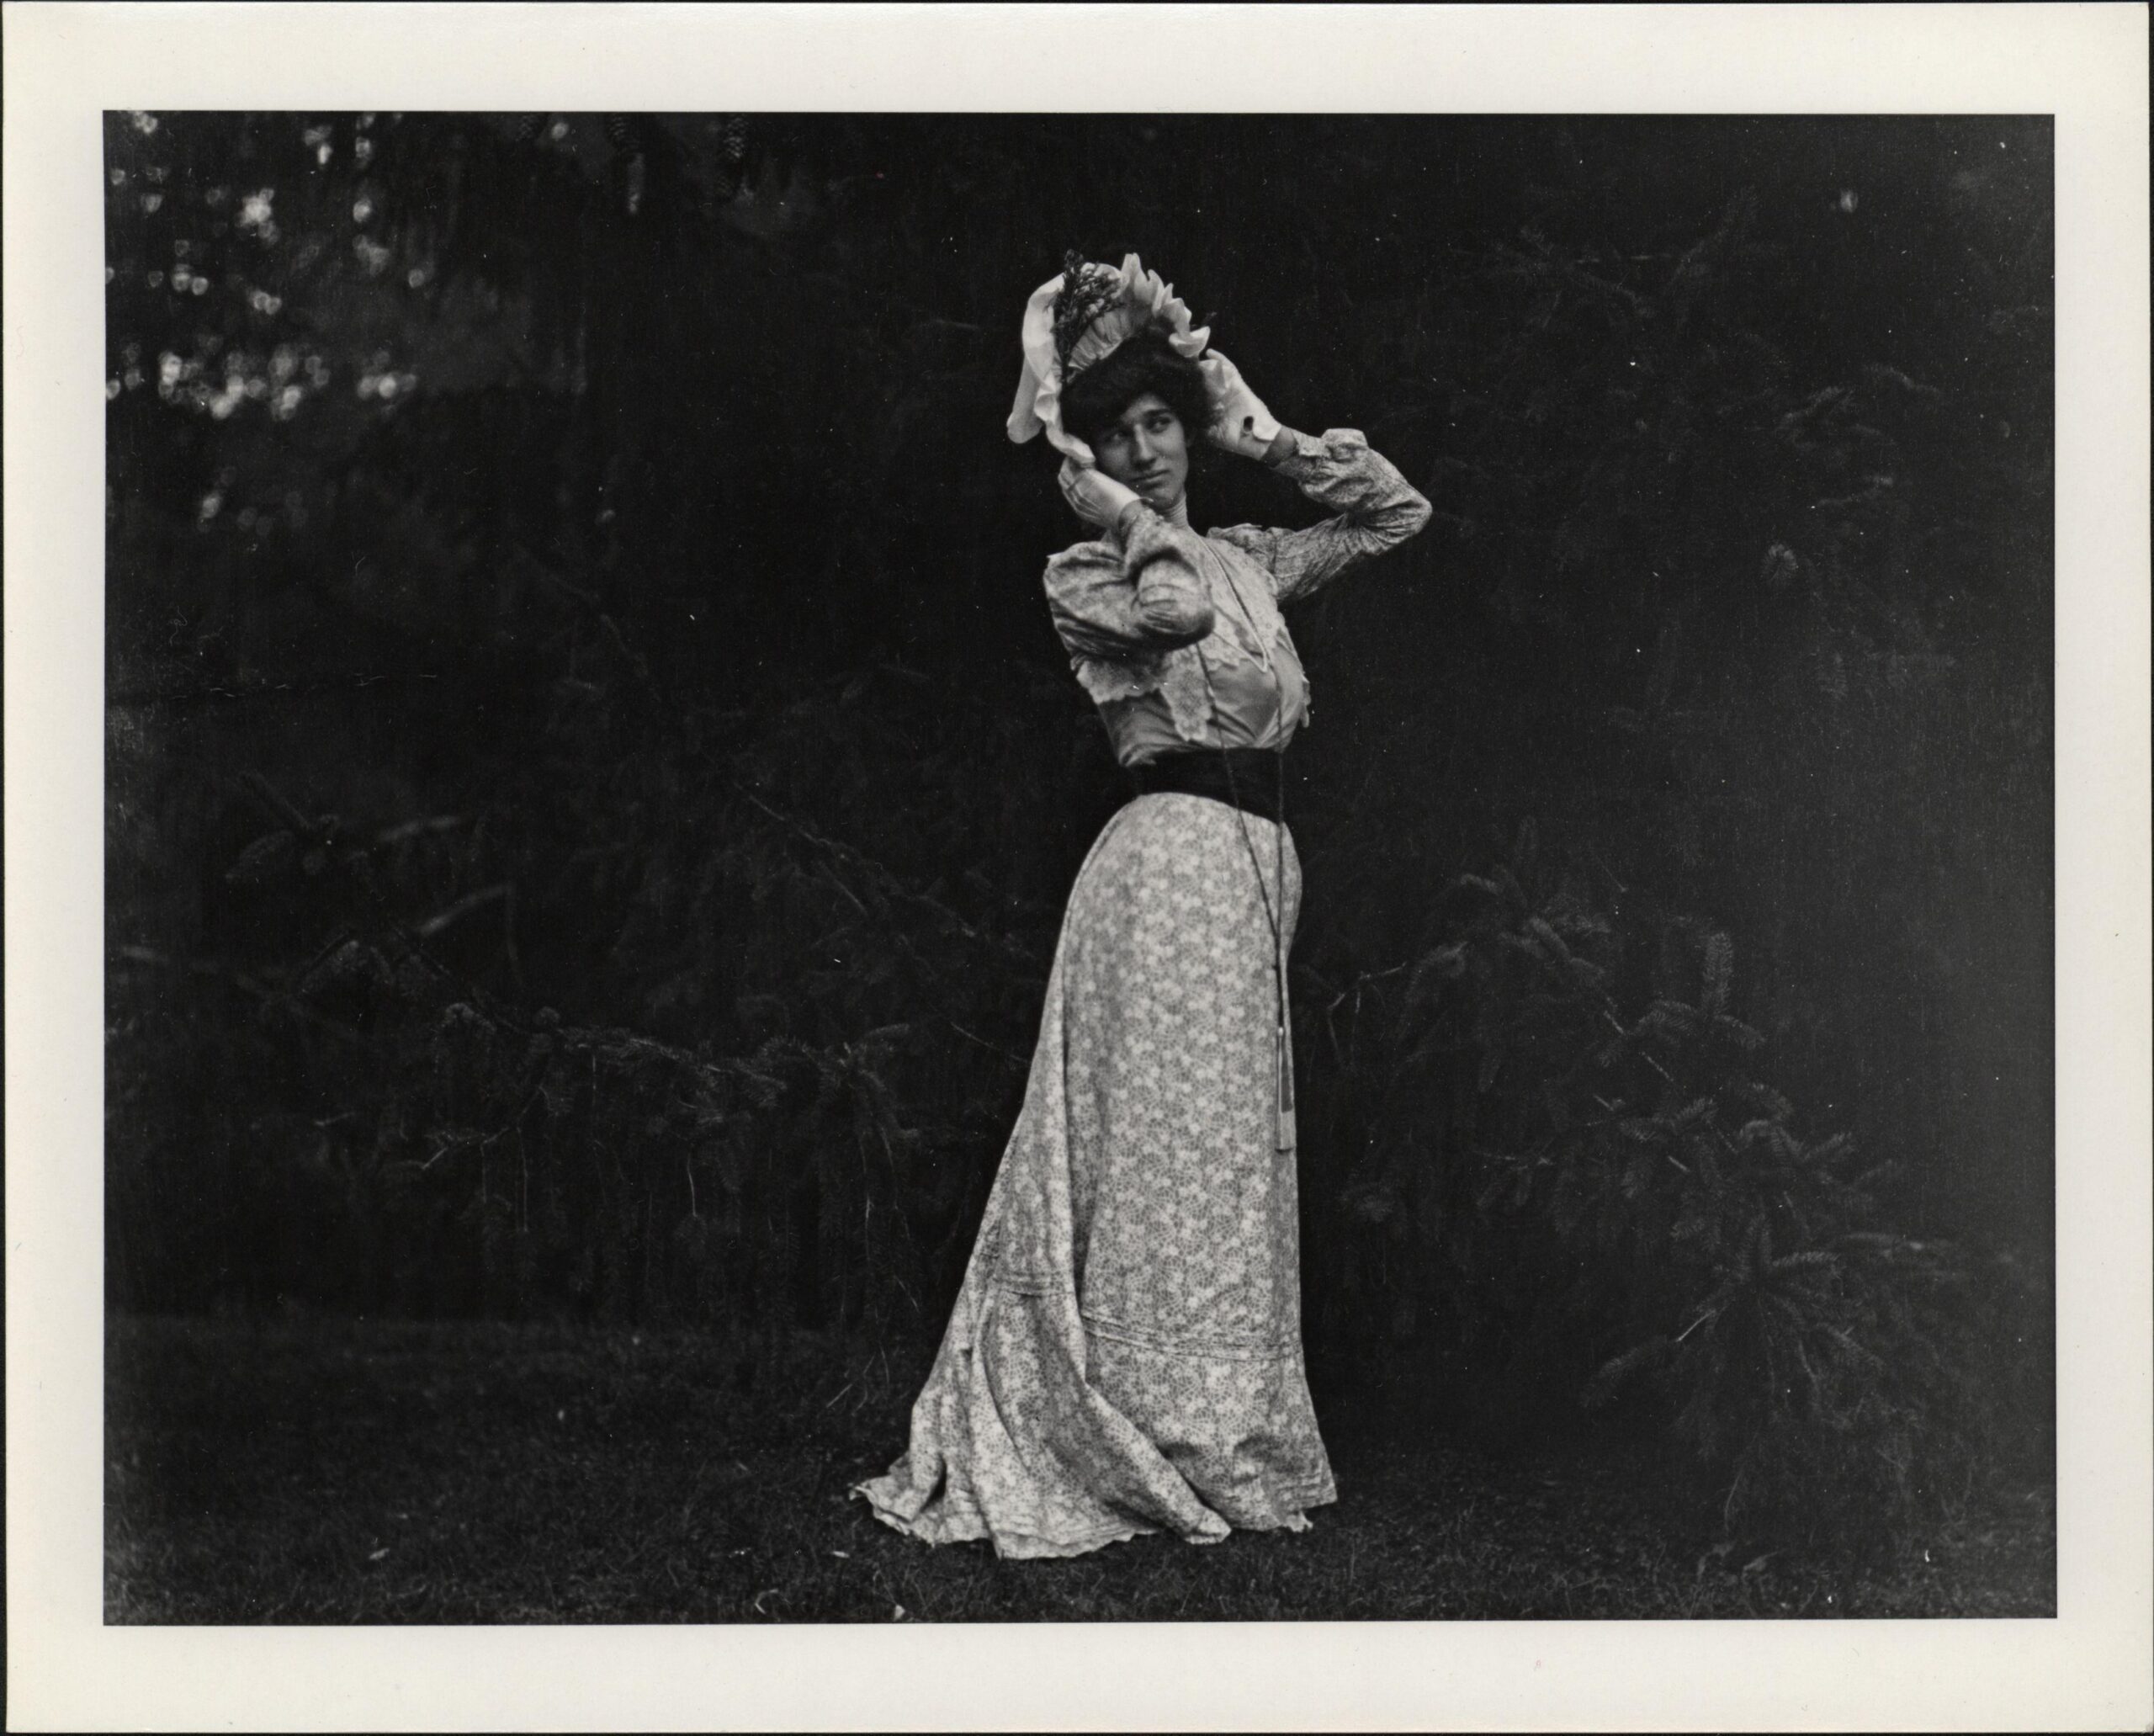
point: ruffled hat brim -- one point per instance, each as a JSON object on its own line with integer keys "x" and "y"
{"x": 1142, "y": 300}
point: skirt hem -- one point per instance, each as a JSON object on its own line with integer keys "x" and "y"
{"x": 970, "y": 1528}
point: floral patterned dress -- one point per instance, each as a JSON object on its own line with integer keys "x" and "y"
{"x": 1125, "y": 1355}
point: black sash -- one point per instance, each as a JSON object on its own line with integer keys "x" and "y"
{"x": 1249, "y": 778}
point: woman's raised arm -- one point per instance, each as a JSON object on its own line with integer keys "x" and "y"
{"x": 1374, "y": 508}
{"x": 1138, "y": 589}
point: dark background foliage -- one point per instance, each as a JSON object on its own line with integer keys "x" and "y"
{"x": 591, "y": 784}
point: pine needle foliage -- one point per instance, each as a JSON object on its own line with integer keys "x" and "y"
{"x": 1580, "y": 1192}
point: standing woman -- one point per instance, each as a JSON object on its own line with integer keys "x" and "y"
{"x": 1125, "y": 1356}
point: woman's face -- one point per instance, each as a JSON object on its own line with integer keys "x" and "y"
{"x": 1145, "y": 448}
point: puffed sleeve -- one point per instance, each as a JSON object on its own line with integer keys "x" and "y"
{"x": 1374, "y": 508}
{"x": 1142, "y": 592}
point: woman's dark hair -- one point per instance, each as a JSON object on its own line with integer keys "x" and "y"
{"x": 1146, "y": 363}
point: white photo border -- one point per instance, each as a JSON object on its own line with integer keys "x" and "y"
{"x": 2091, "y": 1667}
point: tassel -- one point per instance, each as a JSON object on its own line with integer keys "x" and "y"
{"x": 1286, "y": 1093}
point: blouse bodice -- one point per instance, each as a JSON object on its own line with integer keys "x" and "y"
{"x": 1177, "y": 636}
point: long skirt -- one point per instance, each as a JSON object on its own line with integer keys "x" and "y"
{"x": 1125, "y": 1355}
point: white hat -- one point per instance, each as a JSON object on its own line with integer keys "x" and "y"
{"x": 1129, "y": 301}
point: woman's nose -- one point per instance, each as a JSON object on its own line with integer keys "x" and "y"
{"x": 1141, "y": 447}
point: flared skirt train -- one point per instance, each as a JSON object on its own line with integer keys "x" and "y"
{"x": 1125, "y": 1354}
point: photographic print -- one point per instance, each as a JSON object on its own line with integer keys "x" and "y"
{"x": 660, "y": 868}
{"x": 1076, "y": 867}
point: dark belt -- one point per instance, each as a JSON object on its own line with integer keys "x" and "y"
{"x": 1249, "y": 778}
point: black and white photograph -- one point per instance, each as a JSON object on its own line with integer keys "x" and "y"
{"x": 996, "y": 866}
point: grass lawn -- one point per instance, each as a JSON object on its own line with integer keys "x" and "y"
{"x": 338, "y": 1472}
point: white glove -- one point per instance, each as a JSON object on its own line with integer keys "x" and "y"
{"x": 1094, "y": 495}
{"x": 1239, "y": 421}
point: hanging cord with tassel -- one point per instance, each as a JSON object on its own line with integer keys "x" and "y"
{"x": 1274, "y": 901}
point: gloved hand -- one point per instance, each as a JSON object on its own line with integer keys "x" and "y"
{"x": 1094, "y": 495}
{"x": 1239, "y": 421}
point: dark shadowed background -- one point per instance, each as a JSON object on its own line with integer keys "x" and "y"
{"x": 591, "y": 782}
